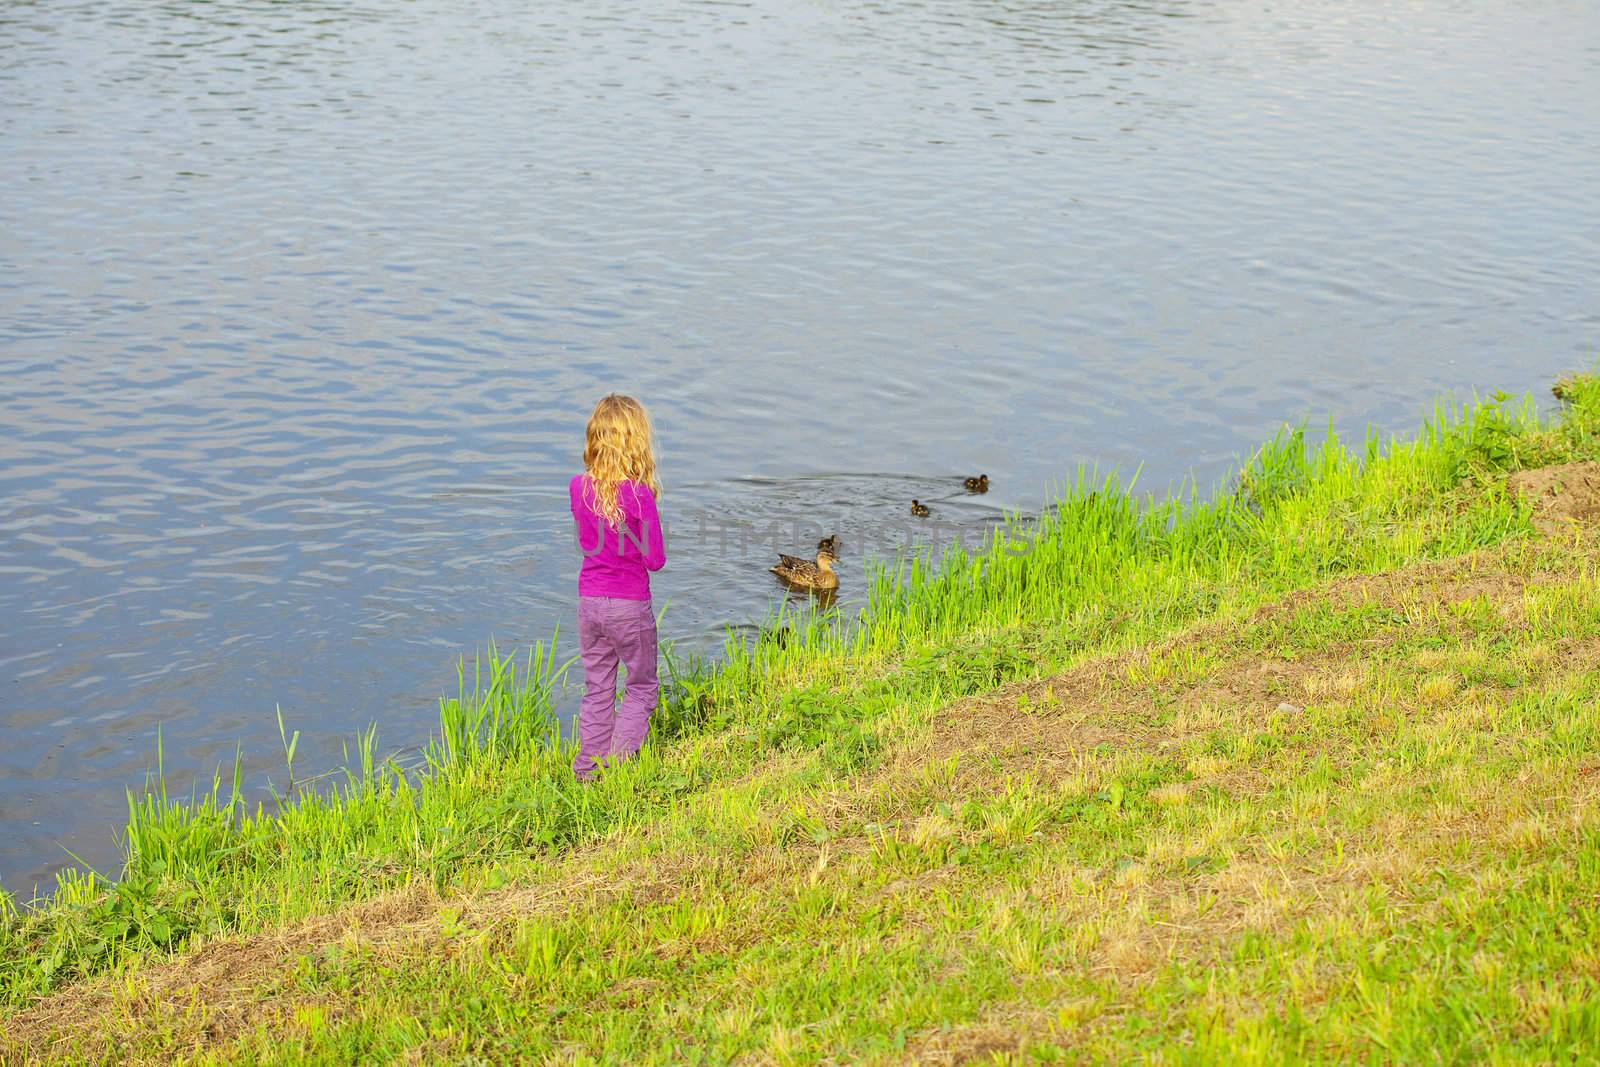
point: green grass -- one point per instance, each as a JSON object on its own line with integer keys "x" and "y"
{"x": 833, "y": 962}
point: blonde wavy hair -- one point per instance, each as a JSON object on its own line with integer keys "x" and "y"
{"x": 618, "y": 447}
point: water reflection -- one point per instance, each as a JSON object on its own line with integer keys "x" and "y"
{"x": 302, "y": 307}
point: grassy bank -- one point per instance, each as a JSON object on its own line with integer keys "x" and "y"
{"x": 1142, "y": 849}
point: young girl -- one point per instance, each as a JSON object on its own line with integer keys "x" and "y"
{"x": 619, "y": 534}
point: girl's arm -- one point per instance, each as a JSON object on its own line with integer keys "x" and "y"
{"x": 654, "y": 547}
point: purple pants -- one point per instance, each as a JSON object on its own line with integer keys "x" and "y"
{"x": 611, "y": 630}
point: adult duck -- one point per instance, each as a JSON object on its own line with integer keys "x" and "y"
{"x": 800, "y": 573}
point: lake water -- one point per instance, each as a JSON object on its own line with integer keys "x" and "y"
{"x": 303, "y": 305}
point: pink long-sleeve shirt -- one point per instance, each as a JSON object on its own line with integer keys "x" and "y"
{"x": 617, "y": 563}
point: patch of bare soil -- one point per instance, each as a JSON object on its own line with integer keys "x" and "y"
{"x": 212, "y": 979}
{"x": 979, "y": 1043}
{"x": 1561, "y": 495}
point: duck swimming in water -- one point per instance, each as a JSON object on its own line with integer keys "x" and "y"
{"x": 800, "y": 573}
{"x": 980, "y": 484}
{"x": 919, "y": 509}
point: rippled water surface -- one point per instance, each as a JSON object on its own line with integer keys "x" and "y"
{"x": 302, "y": 307}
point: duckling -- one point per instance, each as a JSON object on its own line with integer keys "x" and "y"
{"x": 830, "y": 545}
{"x": 804, "y": 574}
{"x": 919, "y": 509}
{"x": 980, "y": 484}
